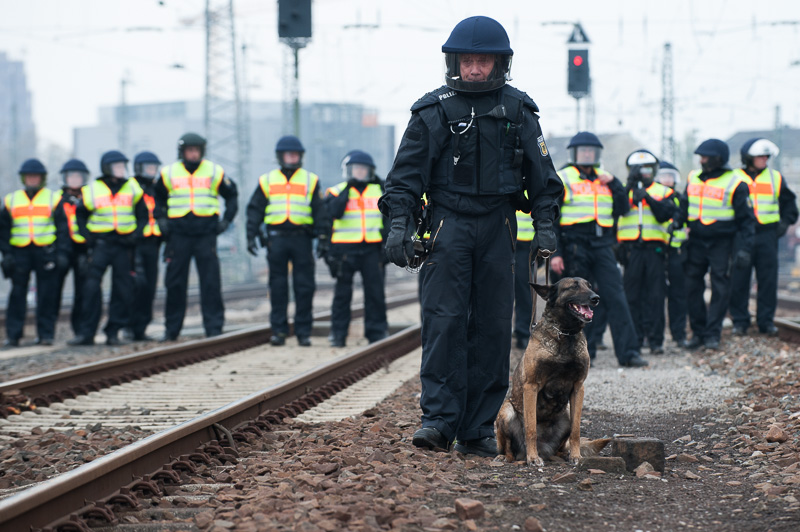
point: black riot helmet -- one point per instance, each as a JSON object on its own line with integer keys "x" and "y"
{"x": 642, "y": 166}
{"x": 74, "y": 174}
{"x": 33, "y": 167}
{"x": 585, "y": 149}
{"x": 146, "y": 164}
{"x": 478, "y": 35}
{"x": 108, "y": 159}
{"x": 191, "y": 139}
{"x": 289, "y": 143}
{"x": 356, "y": 158}
{"x": 668, "y": 174}
{"x": 717, "y": 152}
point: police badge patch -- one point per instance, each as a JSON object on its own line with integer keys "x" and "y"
{"x": 542, "y": 146}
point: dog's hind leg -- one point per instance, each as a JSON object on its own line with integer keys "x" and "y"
{"x": 502, "y": 428}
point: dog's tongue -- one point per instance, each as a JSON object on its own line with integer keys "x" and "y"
{"x": 586, "y": 311}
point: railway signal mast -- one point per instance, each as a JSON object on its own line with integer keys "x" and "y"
{"x": 579, "y": 82}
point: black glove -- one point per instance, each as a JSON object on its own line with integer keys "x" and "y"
{"x": 741, "y": 259}
{"x": 62, "y": 262}
{"x": 399, "y": 248}
{"x": 163, "y": 225}
{"x": 222, "y": 226}
{"x": 8, "y": 264}
{"x": 353, "y": 182}
{"x": 252, "y": 246}
{"x": 639, "y": 194}
{"x": 323, "y": 246}
{"x": 783, "y": 226}
{"x": 545, "y": 237}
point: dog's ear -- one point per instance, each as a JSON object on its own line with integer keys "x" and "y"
{"x": 543, "y": 290}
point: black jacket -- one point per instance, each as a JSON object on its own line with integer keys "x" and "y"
{"x": 189, "y": 224}
{"x": 257, "y": 206}
{"x": 427, "y": 147}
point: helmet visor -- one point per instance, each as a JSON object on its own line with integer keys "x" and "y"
{"x": 476, "y": 72}
{"x": 148, "y": 170}
{"x": 359, "y": 172}
{"x": 586, "y": 155}
{"x": 75, "y": 178}
{"x": 668, "y": 177}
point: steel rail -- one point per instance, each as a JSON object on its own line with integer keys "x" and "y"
{"x": 57, "y": 385}
{"x": 102, "y": 478}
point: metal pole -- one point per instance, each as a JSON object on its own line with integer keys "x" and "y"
{"x": 577, "y": 114}
{"x": 296, "y": 90}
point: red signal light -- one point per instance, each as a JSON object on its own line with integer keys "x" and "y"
{"x": 577, "y": 60}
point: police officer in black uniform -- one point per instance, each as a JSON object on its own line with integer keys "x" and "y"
{"x": 669, "y": 176}
{"x": 191, "y": 229}
{"x": 74, "y": 174}
{"x": 469, "y": 145}
{"x": 721, "y": 231}
{"x": 145, "y": 170}
{"x": 287, "y": 211}
{"x": 587, "y": 234}
{"x": 110, "y": 245}
{"x": 34, "y": 239}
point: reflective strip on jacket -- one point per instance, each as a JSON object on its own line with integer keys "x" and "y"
{"x": 289, "y": 199}
{"x": 151, "y": 229}
{"x": 362, "y": 221}
{"x": 585, "y": 200}
{"x": 712, "y": 200}
{"x": 652, "y": 230}
{"x": 72, "y": 221}
{"x": 32, "y": 218}
{"x": 195, "y": 193}
{"x": 111, "y": 212}
{"x": 764, "y": 192}
{"x": 524, "y": 227}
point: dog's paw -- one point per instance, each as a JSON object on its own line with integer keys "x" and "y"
{"x": 535, "y": 461}
{"x": 574, "y": 459}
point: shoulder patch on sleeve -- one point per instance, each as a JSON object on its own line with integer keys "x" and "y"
{"x": 542, "y": 146}
{"x": 433, "y": 97}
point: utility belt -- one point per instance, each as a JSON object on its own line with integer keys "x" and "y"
{"x": 289, "y": 231}
{"x": 655, "y": 245}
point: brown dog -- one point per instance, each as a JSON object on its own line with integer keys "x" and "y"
{"x": 533, "y": 422}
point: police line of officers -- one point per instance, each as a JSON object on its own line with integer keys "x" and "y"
{"x": 119, "y": 222}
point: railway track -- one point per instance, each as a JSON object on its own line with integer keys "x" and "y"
{"x": 186, "y": 443}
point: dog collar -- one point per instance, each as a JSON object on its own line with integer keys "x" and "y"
{"x": 562, "y": 333}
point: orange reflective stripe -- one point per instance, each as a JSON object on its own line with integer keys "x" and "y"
{"x": 288, "y": 188}
{"x": 30, "y": 210}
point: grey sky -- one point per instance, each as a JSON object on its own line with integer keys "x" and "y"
{"x": 732, "y": 59}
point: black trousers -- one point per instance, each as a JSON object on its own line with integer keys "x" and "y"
{"x": 599, "y": 266}
{"x": 105, "y": 254}
{"x": 78, "y": 262}
{"x": 467, "y": 304}
{"x": 146, "y": 266}
{"x": 178, "y": 254}
{"x": 676, "y": 293}
{"x": 367, "y": 260}
{"x": 765, "y": 263}
{"x": 295, "y": 248}
{"x": 707, "y": 256}
{"x": 523, "y": 304}
{"x": 645, "y": 289}
{"x": 41, "y": 261}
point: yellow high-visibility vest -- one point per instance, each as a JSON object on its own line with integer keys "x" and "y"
{"x": 111, "y": 212}
{"x": 712, "y": 201}
{"x": 196, "y": 192}
{"x": 585, "y": 200}
{"x": 764, "y": 192}
{"x": 362, "y": 221}
{"x": 652, "y": 230}
{"x": 524, "y": 227}
{"x": 31, "y": 218}
{"x": 289, "y": 199}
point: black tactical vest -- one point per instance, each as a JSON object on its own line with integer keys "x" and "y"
{"x": 480, "y": 140}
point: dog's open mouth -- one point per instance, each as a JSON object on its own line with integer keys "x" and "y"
{"x": 584, "y": 312}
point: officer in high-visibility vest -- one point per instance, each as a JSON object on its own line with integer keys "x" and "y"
{"x": 357, "y": 246}
{"x": 593, "y": 199}
{"x": 669, "y": 176}
{"x": 188, "y": 215}
{"x": 74, "y": 174}
{"x": 145, "y": 170}
{"x": 286, "y": 210}
{"x": 643, "y": 234}
{"x": 523, "y": 304}
{"x": 33, "y": 238}
{"x": 775, "y": 208}
{"x": 721, "y": 223}
{"x": 111, "y": 216}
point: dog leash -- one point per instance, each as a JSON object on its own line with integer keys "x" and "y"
{"x": 533, "y": 274}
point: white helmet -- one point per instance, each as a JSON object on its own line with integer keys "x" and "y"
{"x": 758, "y": 147}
